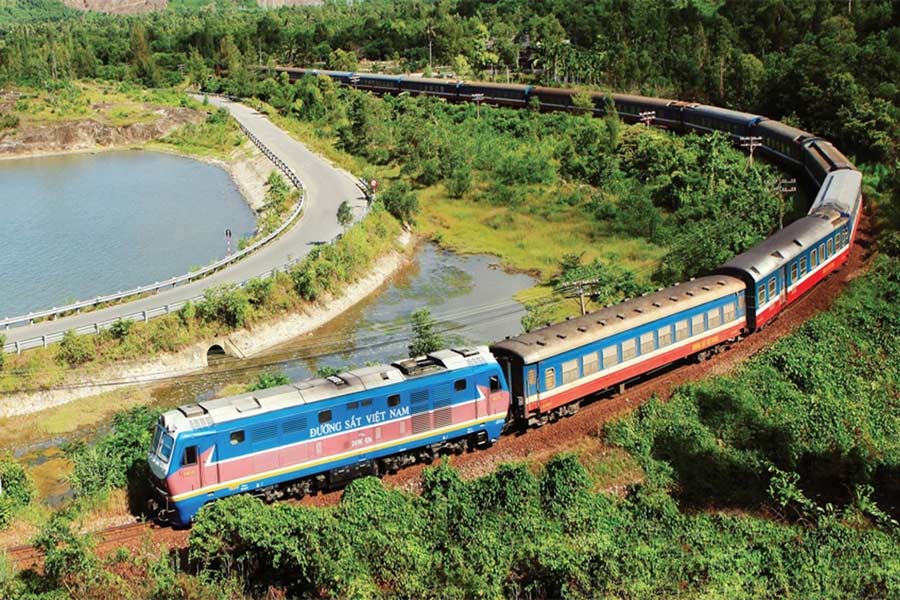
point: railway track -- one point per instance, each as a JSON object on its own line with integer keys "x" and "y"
{"x": 26, "y": 557}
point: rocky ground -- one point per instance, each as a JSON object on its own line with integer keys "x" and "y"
{"x": 82, "y": 135}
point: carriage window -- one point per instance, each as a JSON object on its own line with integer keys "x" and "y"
{"x": 794, "y": 273}
{"x": 495, "y": 383}
{"x": 190, "y": 456}
{"x": 830, "y": 247}
{"x": 459, "y": 385}
{"x": 570, "y": 371}
{"x": 589, "y": 363}
{"x": 741, "y": 306}
{"x": 352, "y": 405}
{"x": 629, "y": 349}
{"x": 729, "y": 312}
{"x": 325, "y": 416}
{"x": 532, "y": 377}
{"x": 802, "y": 266}
{"x": 821, "y": 252}
{"x": 237, "y": 437}
{"x": 681, "y": 330}
{"x": 697, "y": 324}
{"x": 813, "y": 259}
{"x": 394, "y": 400}
{"x": 610, "y": 357}
{"x": 549, "y": 378}
{"x": 713, "y": 318}
{"x": 761, "y": 296}
{"x": 367, "y": 402}
{"x": 665, "y": 336}
{"x": 772, "y": 287}
{"x": 647, "y": 343}
{"x": 846, "y": 237}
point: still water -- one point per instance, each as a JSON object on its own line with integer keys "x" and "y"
{"x": 470, "y": 297}
{"x": 79, "y": 226}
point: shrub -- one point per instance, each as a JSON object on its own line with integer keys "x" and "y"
{"x": 2, "y": 353}
{"x": 259, "y": 290}
{"x": 268, "y": 380}
{"x": 121, "y": 328}
{"x": 9, "y": 121}
{"x": 424, "y": 338}
{"x": 17, "y": 489}
{"x": 118, "y": 458}
{"x": 187, "y": 313}
{"x": 75, "y": 349}
{"x": 226, "y": 304}
{"x": 401, "y": 202}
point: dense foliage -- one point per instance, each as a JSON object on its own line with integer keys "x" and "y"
{"x": 511, "y": 534}
{"x": 118, "y": 458}
{"x": 829, "y": 65}
{"x": 16, "y": 489}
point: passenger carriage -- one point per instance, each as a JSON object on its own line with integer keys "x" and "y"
{"x": 550, "y": 368}
{"x": 323, "y": 432}
{"x": 430, "y": 86}
{"x": 707, "y": 119}
{"x": 786, "y": 265}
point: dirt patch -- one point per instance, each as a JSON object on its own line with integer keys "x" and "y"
{"x": 118, "y": 7}
{"x": 83, "y": 135}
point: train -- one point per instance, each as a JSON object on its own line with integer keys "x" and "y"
{"x": 803, "y": 152}
{"x": 320, "y": 433}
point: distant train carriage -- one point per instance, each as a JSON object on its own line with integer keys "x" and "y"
{"x": 376, "y": 82}
{"x": 550, "y": 368}
{"x": 499, "y": 94}
{"x": 553, "y": 98}
{"x": 782, "y": 142}
{"x": 820, "y": 158}
{"x": 841, "y": 191}
{"x": 706, "y": 119}
{"x": 442, "y": 88}
{"x": 322, "y": 432}
{"x": 665, "y": 112}
{"x": 780, "y": 269}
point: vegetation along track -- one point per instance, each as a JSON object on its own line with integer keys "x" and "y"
{"x": 31, "y": 557}
{"x": 540, "y": 444}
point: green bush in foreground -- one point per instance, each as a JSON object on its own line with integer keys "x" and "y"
{"x": 75, "y": 349}
{"x": 514, "y": 534}
{"x": 16, "y": 489}
{"x": 118, "y": 459}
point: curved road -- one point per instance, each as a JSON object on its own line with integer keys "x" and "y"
{"x": 325, "y": 188}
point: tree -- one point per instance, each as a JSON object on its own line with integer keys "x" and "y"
{"x": 226, "y": 304}
{"x": 75, "y": 349}
{"x": 401, "y": 201}
{"x": 425, "y": 339}
{"x": 345, "y": 214}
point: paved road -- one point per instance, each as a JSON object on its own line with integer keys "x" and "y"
{"x": 326, "y": 187}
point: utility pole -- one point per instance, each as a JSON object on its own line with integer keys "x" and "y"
{"x": 751, "y": 142}
{"x": 570, "y": 289}
{"x": 647, "y": 117}
{"x": 478, "y": 99}
{"x": 782, "y": 187}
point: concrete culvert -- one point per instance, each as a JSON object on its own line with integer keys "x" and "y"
{"x": 215, "y": 354}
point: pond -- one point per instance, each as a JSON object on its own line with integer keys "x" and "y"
{"x": 77, "y": 226}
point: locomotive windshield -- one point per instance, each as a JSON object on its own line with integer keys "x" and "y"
{"x": 162, "y": 444}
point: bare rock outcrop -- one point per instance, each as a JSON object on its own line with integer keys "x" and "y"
{"x": 118, "y": 7}
{"x": 87, "y": 134}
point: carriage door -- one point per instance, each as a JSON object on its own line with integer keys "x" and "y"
{"x": 189, "y": 473}
{"x": 531, "y": 386}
